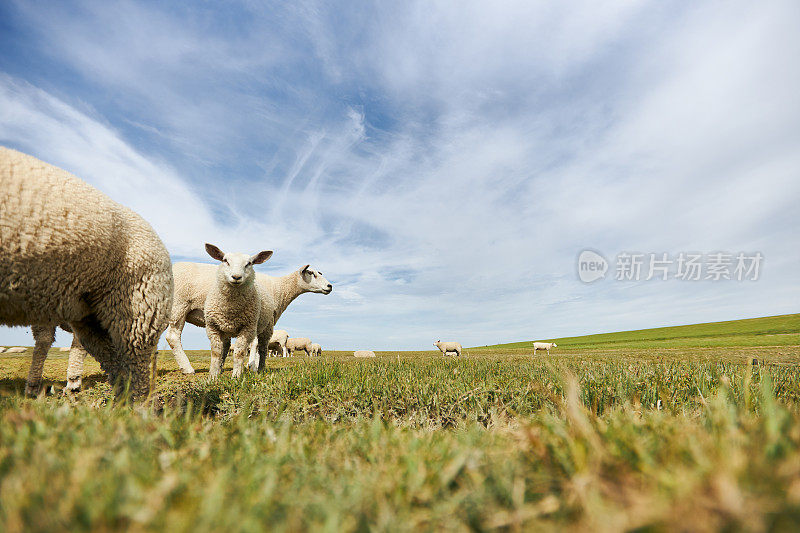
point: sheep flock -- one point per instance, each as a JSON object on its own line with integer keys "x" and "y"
{"x": 73, "y": 258}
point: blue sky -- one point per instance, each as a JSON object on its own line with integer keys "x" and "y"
{"x": 442, "y": 163}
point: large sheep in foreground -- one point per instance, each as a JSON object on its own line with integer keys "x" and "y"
{"x": 448, "y": 347}
{"x": 70, "y": 255}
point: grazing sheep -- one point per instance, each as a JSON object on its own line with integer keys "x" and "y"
{"x": 446, "y": 347}
{"x": 2, "y": 349}
{"x": 70, "y": 255}
{"x": 316, "y": 349}
{"x": 543, "y": 346}
{"x": 64, "y": 349}
{"x": 299, "y": 344}
{"x": 277, "y": 343}
{"x": 232, "y": 308}
{"x": 363, "y": 353}
{"x": 16, "y": 349}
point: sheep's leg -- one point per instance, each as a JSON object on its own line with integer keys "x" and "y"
{"x": 226, "y": 350}
{"x": 173, "y": 336}
{"x": 284, "y": 351}
{"x": 44, "y": 337}
{"x": 253, "y": 361}
{"x": 240, "y": 352}
{"x": 77, "y": 357}
{"x": 215, "y": 338}
{"x": 263, "y": 347}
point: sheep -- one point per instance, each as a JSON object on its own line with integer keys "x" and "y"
{"x": 363, "y": 353}
{"x": 446, "y": 347}
{"x": 192, "y": 283}
{"x": 316, "y": 349}
{"x": 64, "y": 349}
{"x": 277, "y": 293}
{"x": 70, "y": 255}
{"x": 16, "y": 349}
{"x": 543, "y": 346}
{"x": 299, "y": 344}
{"x": 232, "y": 308}
{"x": 2, "y": 349}
{"x": 277, "y": 343}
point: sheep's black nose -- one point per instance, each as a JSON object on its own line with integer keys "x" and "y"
{"x": 330, "y": 287}
{"x": 236, "y": 277}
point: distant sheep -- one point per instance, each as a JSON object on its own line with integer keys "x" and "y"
{"x": 544, "y": 346}
{"x": 448, "y": 347}
{"x": 299, "y": 344}
{"x": 316, "y": 349}
{"x": 2, "y": 349}
{"x": 64, "y": 349}
{"x": 71, "y": 255}
{"x": 363, "y": 353}
{"x": 277, "y": 343}
{"x": 16, "y": 349}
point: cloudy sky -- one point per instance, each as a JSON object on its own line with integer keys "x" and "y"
{"x": 443, "y": 163}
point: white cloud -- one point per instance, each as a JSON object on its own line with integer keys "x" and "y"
{"x": 444, "y": 166}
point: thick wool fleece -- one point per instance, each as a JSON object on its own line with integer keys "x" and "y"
{"x": 71, "y": 255}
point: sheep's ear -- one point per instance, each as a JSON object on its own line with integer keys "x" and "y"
{"x": 261, "y": 256}
{"x": 304, "y": 269}
{"x": 214, "y": 252}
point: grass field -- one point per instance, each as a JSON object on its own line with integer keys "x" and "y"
{"x": 672, "y": 428}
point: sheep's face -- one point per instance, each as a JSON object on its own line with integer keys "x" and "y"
{"x": 235, "y": 268}
{"x": 555, "y": 345}
{"x": 313, "y": 281}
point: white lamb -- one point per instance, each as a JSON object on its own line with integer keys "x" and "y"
{"x": 16, "y": 349}
{"x": 277, "y": 344}
{"x": 316, "y": 349}
{"x": 232, "y": 308}
{"x": 363, "y": 353}
{"x": 448, "y": 347}
{"x": 70, "y": 255}
{"x": 299, "y": 344}
{"x": 543, "y": 346}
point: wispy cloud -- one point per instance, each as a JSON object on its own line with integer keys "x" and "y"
{"x": 443, "y": 166}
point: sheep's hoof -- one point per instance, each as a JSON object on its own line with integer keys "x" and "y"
{"x": 73, "y": 386}
{"x": 187, "y": 371}
{"x": 33, "y": 390}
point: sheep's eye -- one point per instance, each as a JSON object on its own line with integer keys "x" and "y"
{"x": 225, "y": 261}
{"x": 248, "y": 264}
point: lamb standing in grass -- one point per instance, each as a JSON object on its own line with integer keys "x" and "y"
{"x": 277, "y": 344}
{"x": 299, "y": 344}
{"x": 363, "y": 353}
{"x": 316, "y": 349}
{"x": 445, "y": 347}
{"x": 71, "y": 255}
{"x": 543, "y": 346}
{"x": 232, "y": 308}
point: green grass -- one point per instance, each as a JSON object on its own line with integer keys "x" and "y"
{"x": 612, "y": 438}
{"x": 781, "y": 330}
